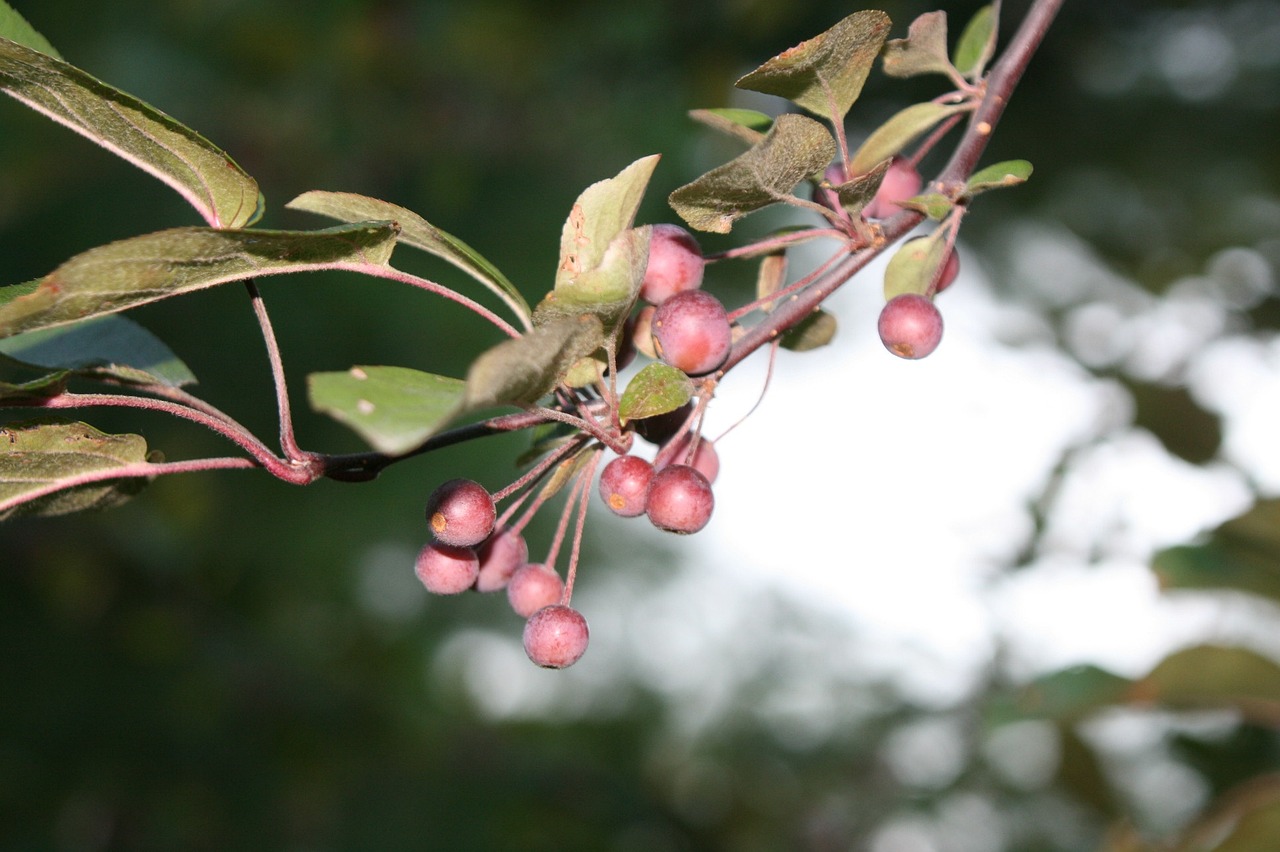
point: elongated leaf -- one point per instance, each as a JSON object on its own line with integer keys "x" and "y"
{"x": 656, "y": 389}
{"x": 519, "y": 372}
{"x": 998, "y": 175}
{"x": 204, "y": 175}
{"x": 977, "y": 44}
{"x": 44, "y": 466}
{"x": 600, "y": 215}
{"x": 419, "y": 233}
{"x": 747, "y": 125}
{"x": 898, "y": 132}
{"x": 825, "y": 74}
{"x": 795, "y": 148}
{"x": 916, "y": 266}
{"x": 923, "y": 51}
{"x": 112, "y": 346}
{"x": 155, "y": 266}
{"x": 393, "y": 408}
{"x": 15, "y": 28}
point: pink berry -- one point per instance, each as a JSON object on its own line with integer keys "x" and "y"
{"x": 691, "y": 332}
{"x": 500, "y": 556}
{"x": 910, "y": 326}
{"x": 705, "y": 459}
{"x": 950, "y": 270}
{"x": 680, "y": 499}
{"x": 532, "y": 587}
{"x": 624, "y": 482}
{"x": 556, "y": 637}
{"x": 446, "y": 570}
{"x": 461, "y": 513}
{"x": 675, "y": 264}
{"x": 900, "y": 182}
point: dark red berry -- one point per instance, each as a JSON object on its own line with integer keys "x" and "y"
{"x": 691, "y": 332}
{"x": 680, "y": 499}
{"x": 624, "y": 482}
{"x": 910, "y": 326}
{"x": 675, "y": 264}
{"x": 461, "y": 513}
{"x": 556, "y": 637}
{"x": 446, "y": 570}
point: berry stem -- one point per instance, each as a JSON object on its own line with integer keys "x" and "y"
{"x": 583, "y": 491}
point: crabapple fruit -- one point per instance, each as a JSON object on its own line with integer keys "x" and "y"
{"x": 910, "y": 326}
{"x": 950, "y": 270}
{"x": 556, "y": 636}
{"x": 900, "y": 182}
{"x": 680, "y": 499}
{"x": 675, "y": 264}
{"x": 624, "y": 482}
{"x": 446, "y": 570}
{"x": 461, "y": 513}
{"x": 500, "y": 556}
{"x": 705, "y": 459}
{"x": 691, "y": 332}
{"x": 532, "y": 587}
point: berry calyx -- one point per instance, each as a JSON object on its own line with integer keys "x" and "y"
{"x": 624, "y": 482}
{"x": 446, "y": 570}
{"x": 556, "y": 636}
{"x": 910, "y": 326}
{"x": 461, "y": 513}
{"x": 675, "y": 264}
{"x": 500, "y": 556}
{"x": 680, "y": 499}
{"x": 532, "y": 587}
{"x": 691, "y": 332}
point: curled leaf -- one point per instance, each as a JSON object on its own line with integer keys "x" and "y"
{"x": 923, "y": 51}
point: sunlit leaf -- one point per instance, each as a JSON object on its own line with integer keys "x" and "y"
{"x": 825, "y": 74}
{"x": 1243, "y": 553}
{"x": 607, "y": 290}
{"x": 747, "y": 125}
{"x": 15, "y": 28}
{"x": 393, "y": 408}
{"x": 813, "y": 332}
{"x": 418, "y": 233}
{"x": 144, "y": 269}
{"x": 898, "y": 132}
{"x": 110, "y": 347}
{"x": 599, "y": 216}
{"x": 656, "y": 389}
{"x": 202, "y": 174}
{"x": 1007, "y": 173}
{"x": 916, "y": 266}
{"x": 923, "y": 51}
{"x": 977, "y": 44}
{"x": 795, "y": 148}
{"x": 45, "y": 468}
{"x": 519, "y": 372}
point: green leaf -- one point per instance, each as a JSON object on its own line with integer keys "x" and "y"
{"x": 859, "y": 192}
{"x": 1208, "y": 676}
{"x": 747, "y": 125}
{"x": 1066, "y": 695}
{"x": 825, "y": 74}
{"x": 1007, "y": 173}
{"x": 9, "y": 292}
{"x": 656, "y": 389}
{"x": 977, "y": 43}
{"x": 898, "y": 132}
{"x": 915, "y": 266}
{"x": 202, "y": 174}
{"x": 44, "y": 465}
{"x": 795, "y": 148}
{"x": 601, "y": 214}
{"x": 418, "y": 233}
{"x": 813, "y": 332}
{"x": 105, "y": 347}
{"x": 395, "y": 409}
{"x": 15, "y": 28}
{"x": 1243, "y": 553}
{"x": 923, "y": 51}
{"x": 934, "y": 205}
{"x": 18, "y": 380}
{"x": 144, "y": 269}
{"x": 607, "y": 290}
{"x": 521, "y": 371}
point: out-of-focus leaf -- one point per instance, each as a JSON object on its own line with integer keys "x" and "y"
{"x": 747, "y": 125}
{"x": 44, "y": 465}
{"x": 15, "y": 28}
{"x": 923, "y": 51}
{"x": 825, "y": 74}
{"x": 813, "y": 332}
{"x": 1065, "y": 696}
{"x": 418, "y": 233}
{"x": 998, "y": 175}
{"x": 519, "y": 372}
{"x": 795, "y": 148}
{"x": 1244, "y": 819}
{"x": 977, "y": 43}
{"x": 1243, "y": 553}
{"x": 656, "y": 389}
{"x": 898, "y": 132}
{"x": 204, "y": 175}
{"x": 915, "y": 266}
{"x": 144, "y": 269}
{"x": 111, "y": 347}
{"x": 393, "y": 408}
{"x": 1215, "y": 676}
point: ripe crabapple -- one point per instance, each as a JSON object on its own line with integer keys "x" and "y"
{"x": 910, "y": 326}
{"x": 691, "y": 332}
{"x": 556, "y": 636}
{"x": 680, "y": 499}
{"x": 500, "y": 556}
{"x": 532, "y": 587}
{"x": 675, "y": 264}
{"x": 461, "y": 513}
{"x": 705, "y": 459}
{"x": 950, "y": 270}
{"x": 446, "y": 570}
{"x": 900, "y": 182}
{"x": 624, "y": 482}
